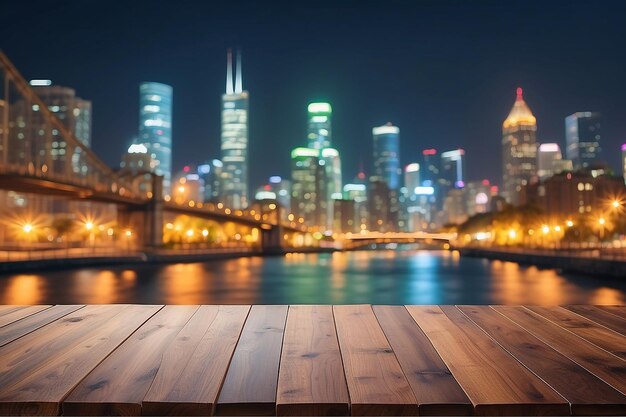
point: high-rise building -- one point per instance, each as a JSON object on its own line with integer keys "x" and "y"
{"x": 280, "y": 188}
{"x": 136, "y": 166}
{"x": 624, "y": 161}
{"x": 547, "y": 157}
{"x": 453, "y": 168}
{"x": 387, "y": 155}
{"x": 583, "y": 132}
{"x": 519, "y": 149}
{"x": 308, "y": 187}
{"x": 430, "y": 167}
{"x": 235, "y": 139}
{"x": 73, "y": 112}
{"x": 358, "y": 192}
{"x": 412, "y": 177}
{"x": 211, "y": 173}
{"x": 155, "y": 127}
{"x": 332, "y": 166}
{"x": 319, "y": 127}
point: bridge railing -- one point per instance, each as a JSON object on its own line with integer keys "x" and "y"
{"x": 35, "y": 143}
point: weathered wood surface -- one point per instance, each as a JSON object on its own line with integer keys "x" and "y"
{"x": 376, "y": 383}
{"x": 312, "y": 360}
{"x": 11, "y": 316}
{"x": 194, "y": 367}
{"x": 495, "y": 382}
{"x": 598, "y": 361}
{"x": 436, "y": 390}
{"x": 252, "y": 378}
{"x": 601, "y": 316}
{"x": 587, "y": 394}
{"x": 597, "y": 334}
{"x": 311, "y": 379}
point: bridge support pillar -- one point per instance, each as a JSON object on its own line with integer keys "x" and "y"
{"x": 272, "y": 240}
{"x": 145, "y": 223}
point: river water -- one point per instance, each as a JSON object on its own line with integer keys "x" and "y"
{"x": 371, "y": 277}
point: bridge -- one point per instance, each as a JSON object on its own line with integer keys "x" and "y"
{"x": 357, "y": 240}
{"x": 48, "y": 175}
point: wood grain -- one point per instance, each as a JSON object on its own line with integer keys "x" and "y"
{"x": 12, "y": 316}
{"x": 597, "y": 334}
{"x": 311, "y": 379}
{"x": 6, "y": 309}
{"x": 194, "y": 366}
{"x": 376, "y": 383}
{"x": 494, "y": 381}
{"x": 600, "y": 316}
{"x": 435, "y": 389}
{"x": 619, "y": 311}
{"x": 39, "y": 370}
{"x": 33, "y": 322}
{"x": 586, "y": 393}
{"x": 252, "y": 378}
{"x": 118, "y": 385}
{"x": 601, "y": 363}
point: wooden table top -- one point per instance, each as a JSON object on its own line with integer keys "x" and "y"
{"x": 312, "y": 360}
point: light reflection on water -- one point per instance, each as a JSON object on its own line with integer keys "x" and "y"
{"x": 374, "y": 277}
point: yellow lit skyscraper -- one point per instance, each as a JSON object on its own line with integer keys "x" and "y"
{"x": 234, "y": 140}
{"x": 519, "y": 149}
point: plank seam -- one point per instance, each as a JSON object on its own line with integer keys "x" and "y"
{"x": 62, "y": 402}
{"x": 514, "y": 357}
{"x": 568, "y": 330}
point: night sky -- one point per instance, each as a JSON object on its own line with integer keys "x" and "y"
{"x": 445, "y": 72}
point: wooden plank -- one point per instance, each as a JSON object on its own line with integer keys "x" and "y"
{"x": 435, "y": 389}
{"x": 601, "y": 363}
{"x": 599, "y": 335}
{"x": 19, "y": 314}
{"x": 493, "y": 380}
{"x": 6, "y": 309}
{"x": 311, "y": 380}
{"x": 617, "y": 310}
{"x": 376, "y": 383}
{"x": 31, "y": 323}
{"x": 252, "y": 378}
{"x": 586, "y": 393}
{"x": 600, "y": 316}
{"x": 118, "y": 385}
{"x": 38, "y": 370}
{"x": 194, "y": 366}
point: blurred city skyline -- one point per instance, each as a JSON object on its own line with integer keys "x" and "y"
{"x": 444, "y": 73}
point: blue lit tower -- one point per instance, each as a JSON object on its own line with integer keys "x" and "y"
{"x": 155, "y": 127}
{"x": 234, "y": 139}
{"x": 386, "y": 155}
{"x": 582, "y": 138}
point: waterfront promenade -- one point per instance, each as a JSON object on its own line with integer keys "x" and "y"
{"x": 312, "y": 360}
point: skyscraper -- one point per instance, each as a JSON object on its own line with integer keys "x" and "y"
{"x": 319, "y": 127}
{"x": 624, "y": 161}
{"x": 519, "y": 149}
{"x": 386, "y": 155}
{"x": 582, "y": 138}
{"x": 430, "y": 167}
{"x": 74, "y": 113}
{"x": 235, "y": 139}
{"x": 308, "y": 187}
{"x": 412, "y": 177}
{"x": 155, "y": 127}
{"x": 547, "y": 155}
{"x": 453, "y": 168}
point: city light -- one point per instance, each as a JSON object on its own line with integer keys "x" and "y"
{"x": 602, "y": 221}
{"x": 545, "y": 229}
{"x": 27, "y": 228}
{"x": 569, "y": 223}
{"x": 89, "y": 225}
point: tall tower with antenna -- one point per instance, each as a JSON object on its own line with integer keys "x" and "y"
{"x": 234, "y": 144}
